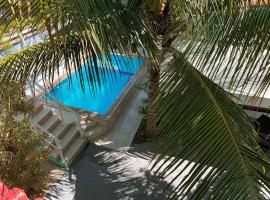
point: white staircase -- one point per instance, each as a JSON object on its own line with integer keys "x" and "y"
{"x": 64, "y": 137}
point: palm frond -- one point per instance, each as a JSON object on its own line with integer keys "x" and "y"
{"x": 206, "y": 140}
{"x": 234, "y": 52}
{"x": 79, "y": 32}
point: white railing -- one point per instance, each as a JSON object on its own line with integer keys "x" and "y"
{"x": 60, "y": 107}
{"x": 37, "y": 128}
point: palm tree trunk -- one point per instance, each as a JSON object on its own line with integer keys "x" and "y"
{"x": 153, "y": 90}
{"x": 160, "y": 12}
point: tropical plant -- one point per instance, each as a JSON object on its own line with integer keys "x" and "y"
{"x": 20, "y": 163}
{"x": 200, "y": 53}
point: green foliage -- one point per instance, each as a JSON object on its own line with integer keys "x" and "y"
{"x": 141, "y": 134}
{"x": 222, "y": 41}
{"x": 5, "y": 45}
{"x": 232, "y": 49}
{"x": 10, "y": 26}
{"x": 20, "y": 165}
{"x": 77, "y": 37}
{"x": 204, "y": 134}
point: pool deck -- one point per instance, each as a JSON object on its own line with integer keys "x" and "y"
{"x": 101, "y": 173}
{"x": 122, "y": 133}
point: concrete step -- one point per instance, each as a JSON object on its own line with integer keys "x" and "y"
{"x": 69, "y": 138}
{"x": 42, "y": 116}
{"x": 51, "y": 123}
{"x": 89, "y": 125}
{"x": 37, "y": 110}
{"x": 75, "y": 149}
{"x": 95, "y": 133}
{"x": 68, "y": 134}
{"x": 61, "y": 130}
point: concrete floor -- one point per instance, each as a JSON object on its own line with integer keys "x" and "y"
{"x": 127, "y": 124}
{"x": 110, "y": 169}
{"x": 101, "y": 173}
{"x": 104, "y": 174}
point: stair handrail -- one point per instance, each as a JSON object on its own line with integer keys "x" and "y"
{"x": 59, "y": 105}
{"x": 58, "y": 145}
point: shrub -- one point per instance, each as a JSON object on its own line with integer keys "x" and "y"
{"x": 20, "y": 165}
{"x": 141, "y": 134}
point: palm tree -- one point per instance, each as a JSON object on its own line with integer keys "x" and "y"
{"x": 200, "y": 53}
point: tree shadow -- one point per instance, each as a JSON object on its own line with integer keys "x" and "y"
{"x": 102, "y": 173}
{"x": 62, "y": 187}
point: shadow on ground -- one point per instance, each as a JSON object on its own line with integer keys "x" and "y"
{"x": 103, "y": 174}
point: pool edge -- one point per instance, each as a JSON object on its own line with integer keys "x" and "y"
{"x": 110, "y": 117}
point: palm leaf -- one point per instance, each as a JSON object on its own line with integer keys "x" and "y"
{"x": 91, "y": 29}
{"x": 206, "y": 140}
{"x": 234, "y": 51}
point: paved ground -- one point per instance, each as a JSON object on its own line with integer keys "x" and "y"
{"x": 125, "y": 128}
{"x": 104, "y": 174}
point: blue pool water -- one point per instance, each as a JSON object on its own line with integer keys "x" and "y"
{"x": 99, "y": 96}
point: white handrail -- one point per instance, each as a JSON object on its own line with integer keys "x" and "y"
{"x": 58, "y": 145}
{"x": 59, "y": 105}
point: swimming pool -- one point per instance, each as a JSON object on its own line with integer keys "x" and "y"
{"x": 99, "y": 96}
